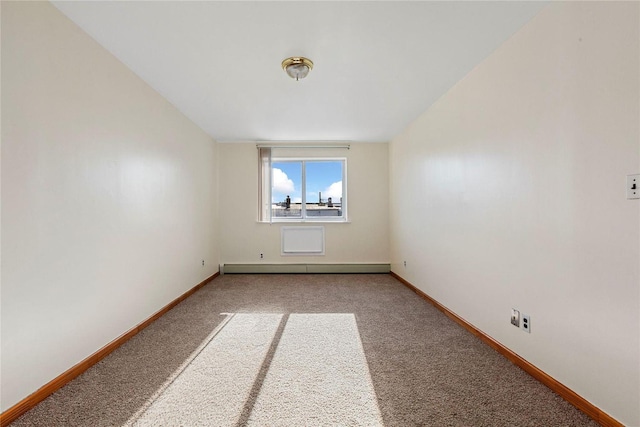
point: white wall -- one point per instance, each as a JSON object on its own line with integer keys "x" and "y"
{"x": 108, "y": 198}
{"x": 364, "y": 240}
{"x": 510, "y": 192}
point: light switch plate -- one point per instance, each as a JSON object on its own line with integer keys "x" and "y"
{"x": 515, "y": 317}
{"x": 633, "y": 186}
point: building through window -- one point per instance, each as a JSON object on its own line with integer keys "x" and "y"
{"x": 295, "y": 188}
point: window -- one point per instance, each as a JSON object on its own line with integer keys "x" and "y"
{"x": 302, "y": 189}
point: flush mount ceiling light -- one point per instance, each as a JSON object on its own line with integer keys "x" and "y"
{"x": 297, "y": 67}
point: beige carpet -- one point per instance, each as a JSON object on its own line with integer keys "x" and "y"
{"x": 310, "y": 350}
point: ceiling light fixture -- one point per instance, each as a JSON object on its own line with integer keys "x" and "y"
{"x": 297, "y": 67}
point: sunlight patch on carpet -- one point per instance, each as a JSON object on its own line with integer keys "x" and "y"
{"x": 213, "y": 388}
{"x": 266, "y": 369}
{"x": 318, "y": 376}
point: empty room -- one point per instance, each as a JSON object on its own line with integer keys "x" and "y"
{"x": 314, "y": 213}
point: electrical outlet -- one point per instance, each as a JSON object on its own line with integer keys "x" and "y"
{"x": 405, "y": 263}
{"x": 515, "y": 317}
{"x": 202, "y": 262}
{"x": 526, "y": 323}
{"x": 261, "y": 256}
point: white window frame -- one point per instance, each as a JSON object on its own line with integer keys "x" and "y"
{"x": 304, "y": 218}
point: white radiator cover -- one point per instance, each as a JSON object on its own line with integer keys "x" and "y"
{"x": 303, "y": 240}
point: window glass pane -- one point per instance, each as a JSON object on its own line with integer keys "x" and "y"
{"x": 323, "y": 188}
{"x": 286, "y": 189}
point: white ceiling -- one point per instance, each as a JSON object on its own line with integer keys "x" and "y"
{"x": 378, "y": 65}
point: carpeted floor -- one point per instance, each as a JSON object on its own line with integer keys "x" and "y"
{"x": 304, "y": 350}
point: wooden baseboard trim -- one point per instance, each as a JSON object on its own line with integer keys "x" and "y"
{"x": 565, "y": 392}
{"x": 11, "y": 414}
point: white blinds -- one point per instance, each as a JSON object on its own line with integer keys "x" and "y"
{"x": 264, "y": 184}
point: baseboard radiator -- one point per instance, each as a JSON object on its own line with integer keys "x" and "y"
{"x": 303, "y": 268}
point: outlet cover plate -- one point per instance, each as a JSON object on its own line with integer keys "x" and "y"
{"x": 526, "y": 323}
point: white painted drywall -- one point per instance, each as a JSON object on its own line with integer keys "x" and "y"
{"x": 509, "y": 192}
{"x": 365, "y": 239}
{"x": 108, "y": 198}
